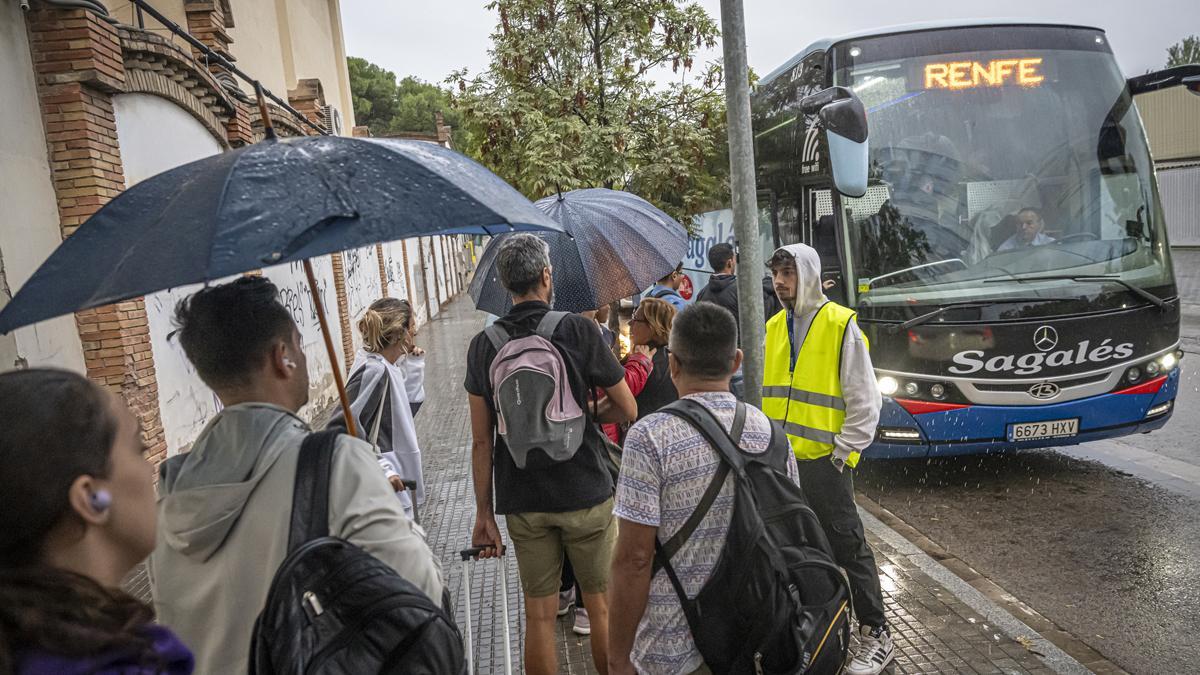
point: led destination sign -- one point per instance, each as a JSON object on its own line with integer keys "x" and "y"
{"x": 1026, "y": 72}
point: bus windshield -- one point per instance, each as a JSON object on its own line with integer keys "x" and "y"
{"x": 996, "y": 157}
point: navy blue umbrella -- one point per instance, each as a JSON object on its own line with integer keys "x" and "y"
{"x": 615, "y": 245}
{"x": 266, "y": 204}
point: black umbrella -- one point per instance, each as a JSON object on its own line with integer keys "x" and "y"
{"x": 266, "y": 204}
{"x": 615, "y": 245}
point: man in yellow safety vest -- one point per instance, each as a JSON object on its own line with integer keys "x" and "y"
{"x": 819, "y": 385}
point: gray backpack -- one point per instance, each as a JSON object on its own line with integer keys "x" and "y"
{"x": 535, "y": 407}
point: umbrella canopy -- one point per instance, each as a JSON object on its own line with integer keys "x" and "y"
{"x": 267, "y": 204}
{"x": 615, "y": 245}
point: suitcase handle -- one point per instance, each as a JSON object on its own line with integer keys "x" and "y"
{"x": 473, "y": 552}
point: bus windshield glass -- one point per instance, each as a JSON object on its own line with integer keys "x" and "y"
{"x": 999, "y": 155}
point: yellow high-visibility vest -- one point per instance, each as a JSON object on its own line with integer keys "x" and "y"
{"x": 808, "y": 401}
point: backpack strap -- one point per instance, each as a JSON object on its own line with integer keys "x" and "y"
{"x": 497, "y": 335}
{"x": 549, "y": 324}
{"x": 310, "y": 498}
{"x": 664, "y": 552}
{"x": 373, "y": 438}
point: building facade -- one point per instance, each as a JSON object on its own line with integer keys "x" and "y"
{"x": 98, "y": 98}
{"x": 1172, "y": 120}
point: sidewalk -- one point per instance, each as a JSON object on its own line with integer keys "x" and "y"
{"x": 940, "y": 623}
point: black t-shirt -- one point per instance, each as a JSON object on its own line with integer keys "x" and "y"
{"x": 659, "y": 390}
{"x": 583, "y": 481}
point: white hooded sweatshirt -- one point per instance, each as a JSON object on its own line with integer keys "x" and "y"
{"x": 859, "y": 388}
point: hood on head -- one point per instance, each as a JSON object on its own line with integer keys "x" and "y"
{"x": 203, "y": 492}
{"x": 809, "y": 294}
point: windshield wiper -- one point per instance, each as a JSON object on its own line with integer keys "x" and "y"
{"x": 929, "y": 316}
{"x": 1140, "y": 292}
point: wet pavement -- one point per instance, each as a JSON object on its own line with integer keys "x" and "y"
{"x": 940, "y": 622}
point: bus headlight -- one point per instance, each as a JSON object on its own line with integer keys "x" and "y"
{"x": 938, "y": 391}
{"x": 1169, "y": 362}
{"x": 1152, "y": 368}
{"x": 888, "y": 385}
{"x": 912, "y": 389}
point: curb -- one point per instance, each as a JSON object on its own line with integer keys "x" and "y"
{"x": 1058, "y": 649}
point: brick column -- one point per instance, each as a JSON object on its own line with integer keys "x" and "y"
{"x": 79, "y": 66}
{"x": 383, "y": 277}
{"x": 308, "y": 98}
{"x": 343, "y": 307}
{"x": 206, "y": 21}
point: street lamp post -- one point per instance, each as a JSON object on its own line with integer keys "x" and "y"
{"x": 745, "y": 198}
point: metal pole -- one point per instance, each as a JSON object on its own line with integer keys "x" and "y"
{"x": 745, "y": 199}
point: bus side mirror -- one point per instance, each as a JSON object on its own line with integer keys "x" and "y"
{"x": 1186, "y": 76}
{"x": 843, "y": 118}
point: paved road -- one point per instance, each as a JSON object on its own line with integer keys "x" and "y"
{"x": 1103, "y": 539}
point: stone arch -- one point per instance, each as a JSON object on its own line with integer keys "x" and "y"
{"x": 155, "y": 66}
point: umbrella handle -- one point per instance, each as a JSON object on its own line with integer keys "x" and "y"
{"x": 333, "y": 359}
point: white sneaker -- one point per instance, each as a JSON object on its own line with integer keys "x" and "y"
{"x": 875, "y": 652}
{"x": 583, "y": 625}
{"x": 565, "y": 600}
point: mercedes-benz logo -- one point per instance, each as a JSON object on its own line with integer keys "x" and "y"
{"x": 1044, "y": 390}
{"x": 1045, "y": 338}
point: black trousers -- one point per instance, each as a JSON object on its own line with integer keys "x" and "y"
{"x": 831, "y": 496}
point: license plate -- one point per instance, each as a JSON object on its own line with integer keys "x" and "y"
{"x": 1036, "y": 431}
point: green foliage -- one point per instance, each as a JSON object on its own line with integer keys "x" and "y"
{"x": 1184, "y": 52}
{"x": 389, "y": 108}
{"x": 603, "y": 93}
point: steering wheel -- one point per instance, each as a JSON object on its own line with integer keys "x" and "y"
{"x": 1078, "y": 236}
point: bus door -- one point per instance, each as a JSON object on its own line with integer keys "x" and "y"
{"x": 820, "y": 230}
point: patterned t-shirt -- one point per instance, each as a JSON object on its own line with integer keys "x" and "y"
{"x": 665, "y": 469}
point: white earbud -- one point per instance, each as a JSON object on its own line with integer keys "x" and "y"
{"x": 289, "y": 363}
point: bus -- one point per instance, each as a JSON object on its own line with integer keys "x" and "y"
{"x": 1003, "y": 242}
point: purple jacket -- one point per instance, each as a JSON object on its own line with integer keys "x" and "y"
{"x": 176, "y": 660}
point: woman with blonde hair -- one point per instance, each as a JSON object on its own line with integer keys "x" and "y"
{"x": 386, "y": 386}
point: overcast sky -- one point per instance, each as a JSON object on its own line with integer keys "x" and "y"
{"x": 430, "y": 39}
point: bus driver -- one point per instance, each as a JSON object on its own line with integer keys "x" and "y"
{"x": 1030, "y": 233}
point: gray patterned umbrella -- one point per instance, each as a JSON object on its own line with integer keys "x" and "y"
{"x": 615, "y": 245}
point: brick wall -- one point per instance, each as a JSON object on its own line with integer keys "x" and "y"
{"x": 78, "y": 64}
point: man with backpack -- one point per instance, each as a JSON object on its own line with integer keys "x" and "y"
{"x": 225, "y": 507}
{"x": 681, "y": 542}
{"x": 536, "y": 441}
{"x": 820, "y": 386}
{"x": 667, "y": 288}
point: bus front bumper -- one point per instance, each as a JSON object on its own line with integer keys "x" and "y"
{"x": 981, "y": 429}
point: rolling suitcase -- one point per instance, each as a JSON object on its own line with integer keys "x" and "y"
{"x": 469, "y": 555}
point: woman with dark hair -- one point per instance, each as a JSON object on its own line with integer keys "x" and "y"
{"x": 77, "y": 513}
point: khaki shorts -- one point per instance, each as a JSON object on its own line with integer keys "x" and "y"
{"x": 587, "y": 536}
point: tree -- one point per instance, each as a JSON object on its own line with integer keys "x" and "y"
{"x": 388, "y": 107}
{"x": 1184, "y": 52}
{"x": 601, "y": 93}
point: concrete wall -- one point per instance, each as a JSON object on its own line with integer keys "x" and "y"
{"x": 29, "y": 223}
{"x": 317, "y": 50}
{"x": 256, "y": 38}
{"x": 1172, "y": 121}
{"x": 363, "y": 286}
{"x": 157, "y": 135}
{"x": 127, "y": 14}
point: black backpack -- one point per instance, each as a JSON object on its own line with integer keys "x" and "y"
{"x": 776, "y": 602}
{"x": 334, "y": 608}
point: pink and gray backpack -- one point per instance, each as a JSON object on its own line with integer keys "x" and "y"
{"x": 535, "y": 406}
